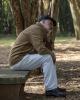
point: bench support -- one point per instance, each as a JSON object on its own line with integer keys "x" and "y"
{"x": 9, "y": 92}
{"x": 12, "y": 84}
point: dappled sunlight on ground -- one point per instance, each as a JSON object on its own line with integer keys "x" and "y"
{"x": 68, "y": 52}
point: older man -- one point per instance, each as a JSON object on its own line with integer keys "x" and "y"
{"x": 33, "y": 50}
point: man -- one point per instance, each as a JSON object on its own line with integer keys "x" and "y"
{"x": 33, "y": 50}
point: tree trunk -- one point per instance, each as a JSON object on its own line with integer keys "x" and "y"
{"x": 75, "y": 9}
{"x": 55, "y": 9}
{"x": 65, "y": 18}
{"x": 25, "y": 13}
{"x": 1, "y": 16}
{"x": 54, "y": 12}
{"x": 0, "y": 9}
{"x": 40, "y": 8}
{"x": 34, "y": 11}
{"x": 16, "y": 10}
{"x": 25, "y": 7}
{"x": 46, "y": 6}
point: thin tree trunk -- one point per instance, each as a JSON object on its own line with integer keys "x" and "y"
{"x": 34, "y": 11}
{"x": 25, "y": 7}
{"x": 55, "y": 9}
{"x": 15, "y": 4}
{"x": 0, "y": 9}
{"x": 75, "y": 9}
{"x": 0, "y": 15}
{"x": 40, "y": 8}
{"x": 65, "y": 18}
{"x": 46, "y": 5}
{"x": 54, "y": 12}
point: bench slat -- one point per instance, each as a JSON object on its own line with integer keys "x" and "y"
{"x": 8, "y": 76}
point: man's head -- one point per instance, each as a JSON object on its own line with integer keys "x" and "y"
{"x": 47, "y": 22}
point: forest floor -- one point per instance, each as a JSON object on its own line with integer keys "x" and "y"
{"x": 68, "y": 70}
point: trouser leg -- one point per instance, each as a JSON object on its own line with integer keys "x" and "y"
{"x": 31, "y": 62}
{"x": 49, "y": 70}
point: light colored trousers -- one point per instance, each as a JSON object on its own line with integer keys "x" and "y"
{"x": 33, "y": 61}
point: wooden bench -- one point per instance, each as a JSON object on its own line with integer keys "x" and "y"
{"x": 12, "y": 84}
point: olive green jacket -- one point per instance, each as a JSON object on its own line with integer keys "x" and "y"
{"x": 33, "y": 40}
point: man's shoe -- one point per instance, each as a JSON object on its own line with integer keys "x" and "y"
{"x": 56, "y": 93}
{"x": 61, "y": 89}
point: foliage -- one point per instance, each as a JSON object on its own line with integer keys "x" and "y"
{"x": 6, "y": 18}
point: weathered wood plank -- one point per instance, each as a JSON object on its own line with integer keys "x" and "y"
{"x": 12, "y": 84}
{"x": 8, "y": 76}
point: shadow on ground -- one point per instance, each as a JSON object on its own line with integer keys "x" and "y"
{"x": 70, "y": 96}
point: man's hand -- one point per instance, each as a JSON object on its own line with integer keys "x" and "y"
{"x": 53, "y": 57}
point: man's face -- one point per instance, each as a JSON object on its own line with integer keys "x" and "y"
{"x": 48, "y": 24}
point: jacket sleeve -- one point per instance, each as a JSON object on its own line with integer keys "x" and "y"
{"x": 39, "y": 45}
{"x": 49, "y": 45}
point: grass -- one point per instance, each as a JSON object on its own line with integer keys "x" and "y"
{"x": 63, "y": 39}
{"x": 8, "y": 40}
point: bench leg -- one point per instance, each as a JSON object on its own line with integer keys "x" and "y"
{"x": 21, "y": 93}
{"x": 9, "y": 92}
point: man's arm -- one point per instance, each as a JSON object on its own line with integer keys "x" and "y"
{"x": 39, "y": 45}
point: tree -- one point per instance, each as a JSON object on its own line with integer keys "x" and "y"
{"x": 54, "y": 12}
{"x": 24, "y": 12}
{"x": 65, "y": 18}
{"x": 1, "y": 18}
{"x": 16, "y": 11}
{"x": 75, "y": 9}
{"x": 49, "y": 7}
{"x": 55, "y": 9}
{"x": 40, "y": 8}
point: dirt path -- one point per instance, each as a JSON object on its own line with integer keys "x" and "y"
{"x": 68, "y": 69}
